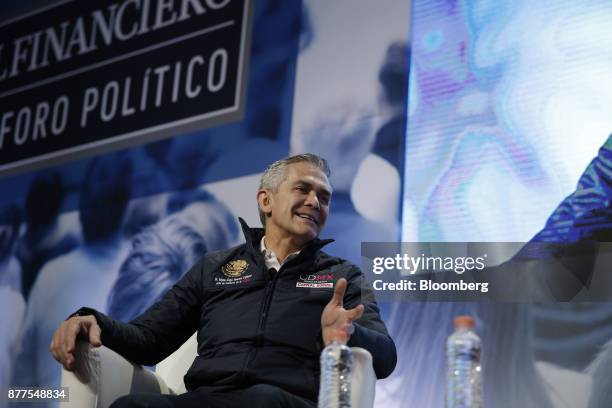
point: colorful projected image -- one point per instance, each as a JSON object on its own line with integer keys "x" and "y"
{"x": 511, "y": 99}
{"x": 508, "y": 104}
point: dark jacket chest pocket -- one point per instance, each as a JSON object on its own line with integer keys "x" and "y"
{"x": 231, "y": 312}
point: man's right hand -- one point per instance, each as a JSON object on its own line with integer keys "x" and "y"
{"x": 64, "y": 339}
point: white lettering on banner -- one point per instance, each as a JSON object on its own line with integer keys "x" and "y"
{"x": 176, "y": 82}
{"x": 24, "y": 126}
{"x": 120, "y": 21}
{"x": 5, "y": 127}
{"x": 119, "y": 33}
{"x": 161, "y": 73}
{"x": 145, "y": 90}
{"x": 42, "y": 112}
{"x": 58, "y": 124}
{"x": 218, "y": 64}
{"x": 127, "y": 110}
{"x": 195, "y": 4}
{"x": 189, "y": 90}
{"x": 164, "y": 7}
{"x": 105, "y": 27}
{"x": 198, "y": 75}
{"x": 110, "y": 96}
{"x": 90, "y": 100}
{"x": 216, "y": 5}
{"x": 19, "y": 54}
{"x": 77, "y": 39}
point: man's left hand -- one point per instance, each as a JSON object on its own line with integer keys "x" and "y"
{"x": 335, "y": 319}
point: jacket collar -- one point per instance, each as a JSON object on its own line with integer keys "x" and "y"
{"x": 253, "y": 238}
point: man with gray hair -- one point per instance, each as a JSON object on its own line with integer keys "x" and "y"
{"x": 263, "y": 310}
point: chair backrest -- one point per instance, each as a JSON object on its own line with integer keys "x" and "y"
{"x": 363, "y": 381}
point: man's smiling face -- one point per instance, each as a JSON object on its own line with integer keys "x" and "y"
{"x": 299, "y": 209}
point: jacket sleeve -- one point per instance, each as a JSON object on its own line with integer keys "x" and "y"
{"x": 162, "y": 328}
{"x": 370, "y": 331}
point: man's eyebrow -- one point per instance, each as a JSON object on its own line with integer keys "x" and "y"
{"x": 309, "y": 185}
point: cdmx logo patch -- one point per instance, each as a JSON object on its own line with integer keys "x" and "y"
{"x": 325, "y": 280}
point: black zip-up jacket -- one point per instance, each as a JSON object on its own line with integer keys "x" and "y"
{"x": 254, "y": 326}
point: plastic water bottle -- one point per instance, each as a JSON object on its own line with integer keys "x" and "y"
{"x": 463, "y": 385}
{"x": 336, "y": 368}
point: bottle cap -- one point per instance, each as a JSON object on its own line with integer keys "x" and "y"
{"x": 464, "y": 321}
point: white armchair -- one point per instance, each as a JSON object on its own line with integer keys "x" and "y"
{"x": 101, "y": 376}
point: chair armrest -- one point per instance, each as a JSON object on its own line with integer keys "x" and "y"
{"x": 363, "y": 379}
{"x": 174, "y": 367}
{"x": 101, "y": 376}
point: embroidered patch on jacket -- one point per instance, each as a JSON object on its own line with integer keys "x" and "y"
{"x": 234, "y": 273}
{"x": 235, "y": 268}
{"x": 316, "y": 281}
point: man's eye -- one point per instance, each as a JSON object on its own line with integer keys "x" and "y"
{"x": 299, "y": 188}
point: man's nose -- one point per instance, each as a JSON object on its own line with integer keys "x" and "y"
{"x": 313, "y": 200}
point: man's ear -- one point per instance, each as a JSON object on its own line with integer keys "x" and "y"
{"x": 264, "y": 200}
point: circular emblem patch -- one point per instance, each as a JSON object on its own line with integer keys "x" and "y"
{"x": 235, "y": 268}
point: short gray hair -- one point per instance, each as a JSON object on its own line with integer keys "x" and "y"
{"x": 276, "y": 173}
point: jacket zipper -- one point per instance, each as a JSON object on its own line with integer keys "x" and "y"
{"x": 270, "y": 284}
{"x": 266, "y": 308}
{"x": 268, "y": 299}
{"x": 263, "y": 317}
